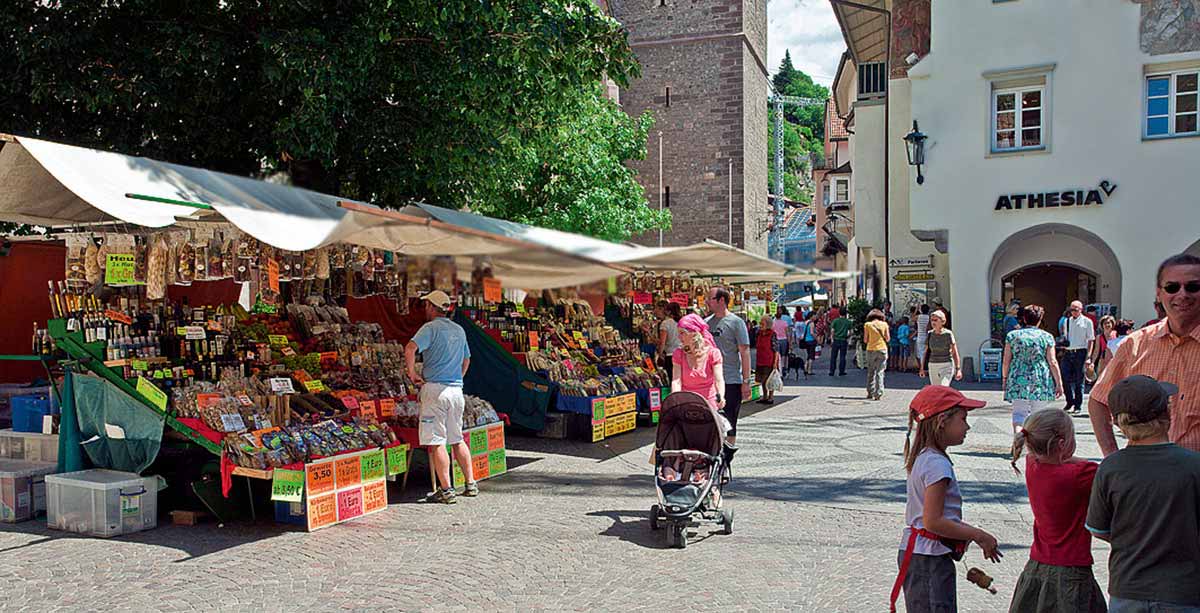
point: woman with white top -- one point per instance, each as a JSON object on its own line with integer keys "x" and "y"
{"x": 922, "y": 331}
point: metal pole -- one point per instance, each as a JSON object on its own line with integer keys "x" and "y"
{"x": 730, "y": 241}
{"x": 660, "y": 183}
{"x": 777, "y": 212}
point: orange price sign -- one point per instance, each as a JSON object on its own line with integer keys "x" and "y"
{"x": 273, "y": 275}
{"x": 319, "y": 477}
{"x": 204, "y": 401}
{"x": 348, "y": 470}
{"x": 387, "y": 407}
{"x": 495, "y": 437}
{"x": 302, "y": 375}
{"x": 374, "y": 496}
{"x": 479, "y": 467}
{"x": 322, "y": 511}
{"x": 368, "y": 408}
{"x": 492, "y": 290}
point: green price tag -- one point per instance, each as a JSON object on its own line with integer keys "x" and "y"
{"x": 479, "y": 441}
{"x": 348, "y": 429}
{"x": 139, "y": 365}
{"x": 497, "y": 462}
{"x": 314, "y": 385}
{"x": 373, "y": 466}
{"x": 287, "y": 485}
{"x": 277, "y": 340}
{"x": 612, "y": 285}
{"x": 151, "y": 392}
{"x": 598, "y": 409}
{"x": 397, "y": 459}
{"x": 118, "y": 269}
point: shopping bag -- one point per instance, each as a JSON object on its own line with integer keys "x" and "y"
{"x": 775, "y": 381}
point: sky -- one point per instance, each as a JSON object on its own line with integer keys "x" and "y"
{"x": 809, "y": 30}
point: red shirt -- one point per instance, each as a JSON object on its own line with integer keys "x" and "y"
{"x": 764, "y": 346}
{"x": 1059, "y": 495}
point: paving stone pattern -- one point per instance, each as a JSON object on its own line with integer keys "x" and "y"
{"x": 818, "y": 491}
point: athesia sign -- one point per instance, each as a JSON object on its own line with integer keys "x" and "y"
{"x": 1045, "y": 200}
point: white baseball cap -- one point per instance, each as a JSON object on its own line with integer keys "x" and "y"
{"x": 439, "y": 299}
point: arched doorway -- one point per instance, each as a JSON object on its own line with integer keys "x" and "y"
{"x": 1051, "y": 285}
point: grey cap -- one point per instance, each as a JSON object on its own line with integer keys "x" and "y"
{"x": 1143, "y": 398}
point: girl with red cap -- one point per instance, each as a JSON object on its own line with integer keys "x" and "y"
{"x": 935, "y": 535}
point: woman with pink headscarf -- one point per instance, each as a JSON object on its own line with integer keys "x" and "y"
{"x": 698, "y": 362}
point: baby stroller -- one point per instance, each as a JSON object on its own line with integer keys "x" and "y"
{"x": 690, "y": 470}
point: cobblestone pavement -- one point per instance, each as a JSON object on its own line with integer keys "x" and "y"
{"x": 818, "y": 489}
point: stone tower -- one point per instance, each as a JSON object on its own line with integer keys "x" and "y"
{"x": 705, "y": 80}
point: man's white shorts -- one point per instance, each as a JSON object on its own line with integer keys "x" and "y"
{"x": 441, "y": 414}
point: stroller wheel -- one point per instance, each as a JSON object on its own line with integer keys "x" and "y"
{"x": 678, "y": 537}
{"x": 654, "y": 511}
{"x": 727, "y": 520}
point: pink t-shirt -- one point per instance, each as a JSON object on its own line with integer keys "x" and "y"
{"x": 699, "y": 380}
{"x": 781, "y": 329}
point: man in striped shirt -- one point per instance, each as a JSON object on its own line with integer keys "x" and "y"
{"x": 1168, "y": 351}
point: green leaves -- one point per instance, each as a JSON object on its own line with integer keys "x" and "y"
{"x": 492, "y": 105}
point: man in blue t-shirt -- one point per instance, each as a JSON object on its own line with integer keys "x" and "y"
{"x": 445, "y": 358}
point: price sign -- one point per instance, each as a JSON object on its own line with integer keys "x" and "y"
{"x": 397, "y": 459}
{"x": 348, "y": 471}
{"x": 244, "y": 400}
{"x": 139, "y": 365}
{"x": 287, "y": 351}
{"x": 277, "y": 340}
{"x": 642, "y": 298}
{"x": 213, "y": 325}
{"x": 569, "y": 364}
{"x": 479, "y": 467}
{"x": 521, "y": 308}
{"x": 322, "y": 510}
{"x": 374, "y": 497}
{"x": 681, "y": 298}
{"x": 373, "y": 465}
{"x": 151, "y": 392}
{"x": 479, "y": 441}
{"x": 533, "y": 341}
{"x": 319, "y": 478}
{"x": 598, "y": 409}
{"x": 597, "y": 430}
{"x": 232, "y": 422}
{"x": 387, "y": 407}
{"x": 273, "y": 275}
{"x": 492, "y": 290}
{"x": 194, "y": 333}
{"x": 314, "y": 385}
{"x": 497, "y": 462}
{"x": 349, "y": 504}
{"x": 368, "y": 408}
{"x": 495, "y": 437}
{"x": 119, "y": 269}
{"x": 301, "y": 375}
{"x": 282, "y": 385}
{"x": 118, "y": 316}
{"x": 655, "y": 399}
{"x": 287, "y": 485}
{"x": 203, "y": 401}
{"x": 329, "y": 356}
{"x": 350, "y": 402}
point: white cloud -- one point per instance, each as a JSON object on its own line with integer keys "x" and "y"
{"x": 809, "y": 30}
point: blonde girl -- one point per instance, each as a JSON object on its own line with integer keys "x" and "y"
{"x": 1058, "y": 576}
{"x": 935, "y": 535}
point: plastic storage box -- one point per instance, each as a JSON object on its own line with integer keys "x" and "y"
{"x": 101, "y": 502}
{"x": 28, "y": 411}
{"x": 28, "y": 446}
{"x": 22, "y": 489}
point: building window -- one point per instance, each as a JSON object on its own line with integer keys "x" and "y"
{"x": 825, "y": 193}
{"x": 872, "y": 80}
{"x": 668, "y": 97}
{"x": 1017, "y": 119}
{"x": 1171, "y": 104}
{"x": 667, "y": 196}
{"x": 841, "y": 189}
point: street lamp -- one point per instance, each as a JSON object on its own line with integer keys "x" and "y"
{"x": 914, "y": 145}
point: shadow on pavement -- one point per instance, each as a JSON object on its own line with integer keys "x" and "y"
{"x": 634, "y": 527}
{"x": 864, "y": 491}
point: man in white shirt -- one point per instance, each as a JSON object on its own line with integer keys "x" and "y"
{"x": 1081, "y": 335}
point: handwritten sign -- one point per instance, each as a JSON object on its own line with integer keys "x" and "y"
{"x": 397, "y": 459}
{"x": 655, "y": 399}
{"x": 244, "y": 400}
{"x": 387, "y": 407}
{"x": 683, "y": 299}
{"x": 139, "y": 365}
{"x": 348, "y": 471}
{"x": 319, "y": 478}
{"x": 195, "y": 333}
{"x": 497, "y": 462}
{"x": 349, "y": 504}
{"x": 492, "y": 290}
{"x": 119, "y": 269}
{"x": 350, "y": 402}
{"x": 478, "y": 442}
{"x": 287, "y": 351}
{"x": 314, "y": 385}
{"x": 495, "y": 437}
{"x": 118, "y": 316}
{"x": 277, "y": 340}
{"x": 203, "y": 401}
{"x": 368, "y": 408}
{"x": 287, "y": 485}
{"x": 213, "y": 325}
{"x": 273, "y": 275}
{"x": 282, "y": 385}
{"x": 329, "y": 356}
{"x": 322, "y": 510}
{"x": 374, "y": 497}
{"x": 533, "y": 341}
{"x": 598, "y": 409}
{"x": 619, "y": 405}
{"x": 373, "y": 465}
{"x": 479, "y": 467}
{"x": 642, "y": 298}
{"x": 151, "y": 392}
{"x": 597, "y": 430}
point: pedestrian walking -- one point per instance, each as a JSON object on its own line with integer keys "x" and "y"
{"x": 1058, "y": 577}
{"x": 807, "y": 337}
{"x": 922, "y": 330}
{"x": 839, "y": 331}
{"x": 699, "y": 363}
{"x": 1011, "y": 321}
{"x": 938, "y": 306}
{"x": 766, "y": 358}
{"x": 782, "y": 333}
{"x": 876, "y": 334}
{"x": 1168, "y": 351}
{"x": 668, "y": 334}
{"x": 732, "y": 338}
{"x": 1146, "y": 503}
{"x": 1101, "y": 354}
{"x": 1030, "y": 369}
{"x": 1081, "y": 338}
{"x": 935, "y": 536}
{"x": 445, "y": 358}
{"x": 904, "y": 340}
{"x": 941, "y": 358}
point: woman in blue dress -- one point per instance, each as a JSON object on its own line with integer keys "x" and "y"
{"x": 1031, "y": 375}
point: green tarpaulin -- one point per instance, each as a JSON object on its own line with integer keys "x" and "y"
{"x": 496, "y": 376}
{"x": 116, "y": 431}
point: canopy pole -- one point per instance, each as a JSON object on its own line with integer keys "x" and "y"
{"x": 194, "y": 205}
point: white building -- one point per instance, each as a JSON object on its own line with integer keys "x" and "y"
{"x": 1062, "y": 148}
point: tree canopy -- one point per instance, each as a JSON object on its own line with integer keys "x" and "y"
{"x": 804, "y": 129}
{"x": 494, "y": 105}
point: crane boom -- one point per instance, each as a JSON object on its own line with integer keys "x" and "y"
{"x": 779, "y": 101}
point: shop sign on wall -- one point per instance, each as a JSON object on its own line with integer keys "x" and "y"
{"x": 912, "y": 262}
{"x": 919, "y": 275}
{"x": 1049, "y": 200}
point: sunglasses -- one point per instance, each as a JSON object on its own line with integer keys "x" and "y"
{"x": 1173, "y": 287}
